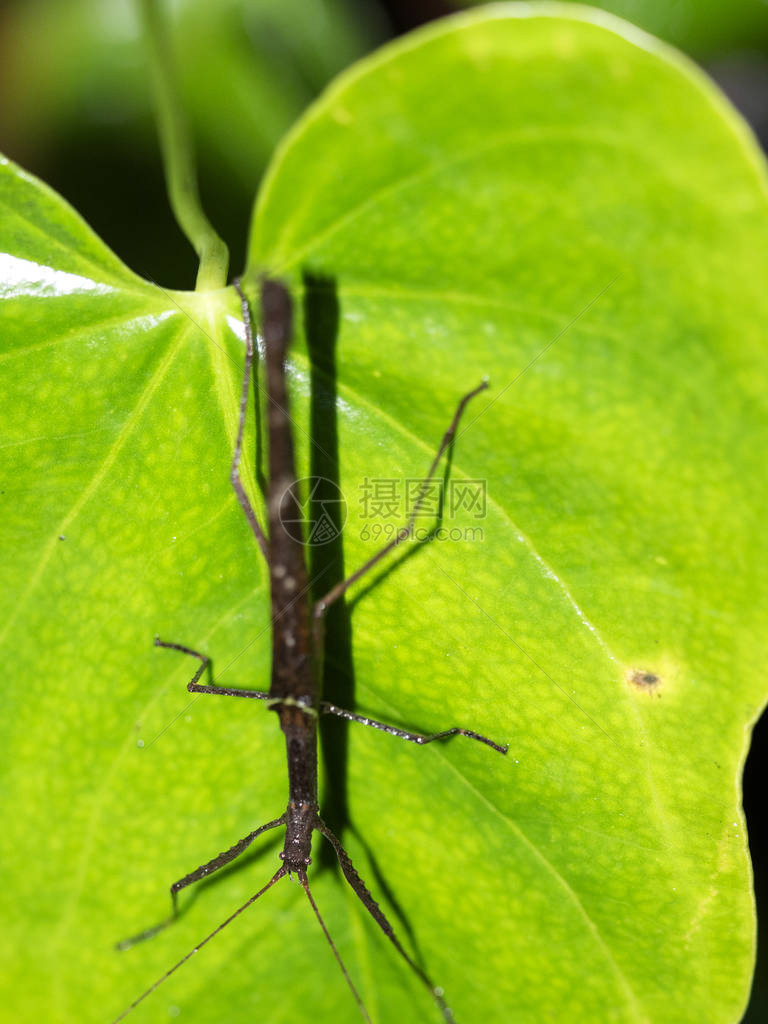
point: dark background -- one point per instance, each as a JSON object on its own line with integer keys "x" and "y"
{"x": 104, "y": 159}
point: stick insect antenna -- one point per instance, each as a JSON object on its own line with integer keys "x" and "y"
{"x": 361, "y": 1006}
{"x": 281, "y": 871}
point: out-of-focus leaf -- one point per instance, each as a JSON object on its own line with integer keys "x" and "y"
{"x": 704, "y": 28}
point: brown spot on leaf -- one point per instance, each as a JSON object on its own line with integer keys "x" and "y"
{"x": 644, "y": 680}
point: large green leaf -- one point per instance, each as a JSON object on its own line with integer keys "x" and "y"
{"x": 536, "y": 197}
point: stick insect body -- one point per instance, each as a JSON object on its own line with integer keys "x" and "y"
{"x": 297, "y": 651}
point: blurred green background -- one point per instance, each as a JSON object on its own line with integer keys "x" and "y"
{"x": 76, "y": 110}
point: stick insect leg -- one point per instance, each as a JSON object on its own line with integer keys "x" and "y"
{"x": 361, "y": 891}
{"x": 221, "y": 861}
{"x": 405, "y": 531}
{"x": 226, "y": 691}
{"x": 204, "y": 660}
{"x": 203, "y": 871}
{"x": 194, "y": 687}
{"x": 234, "y": 475}
{"x": 326, "y": 708}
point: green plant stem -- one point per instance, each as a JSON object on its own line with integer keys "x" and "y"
{"x": 178, "y": 155}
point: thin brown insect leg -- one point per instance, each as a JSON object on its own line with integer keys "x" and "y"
{"x": 194, "y": 876}
{"x": 221, "y": 860}
{"x": 361, "y": 891}
{"x": 194, "y": 687}
{"x": 234, "y": 474}
{"x": 405, "y": 531}
{"x": 326, "y": 708}
{"x": 226, "y": 691}
{"x": 202, "y": 658}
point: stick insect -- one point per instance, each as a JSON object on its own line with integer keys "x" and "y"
{"x": 297, "y": 652}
